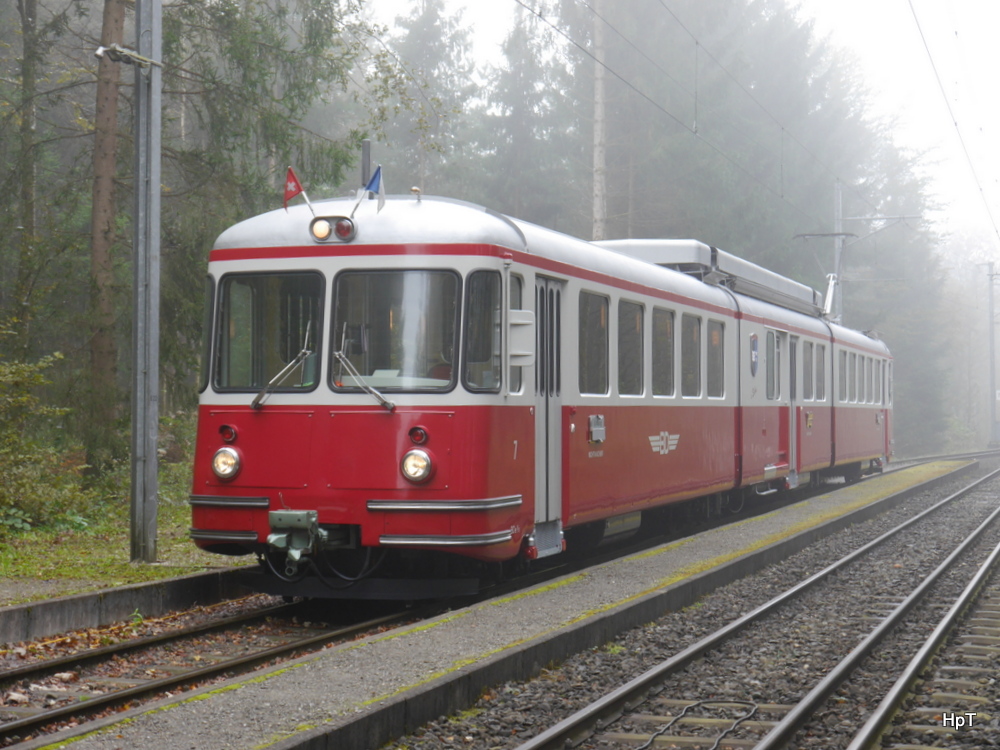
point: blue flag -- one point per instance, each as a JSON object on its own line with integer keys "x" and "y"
{"x": 375, "y": 185}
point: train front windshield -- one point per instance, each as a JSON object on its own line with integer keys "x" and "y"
{"x": 267, "y": 323}
{"x": 394, "y": 330}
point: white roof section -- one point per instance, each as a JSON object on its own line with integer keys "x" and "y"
{"x": 716, "y": 266}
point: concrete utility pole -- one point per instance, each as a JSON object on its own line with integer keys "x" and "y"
{"x": 146, "y": 283}
{"x": 600, "y": 130}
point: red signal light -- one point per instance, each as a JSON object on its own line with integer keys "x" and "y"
{"x": 344, "y": 229}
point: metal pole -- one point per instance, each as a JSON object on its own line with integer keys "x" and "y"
{"x": 146, "y": 285}
{"x": 993, "y": 364}
{"x": 366, "y": 161}
{"x": 838, "y": 252}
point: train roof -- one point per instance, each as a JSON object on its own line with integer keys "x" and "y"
{"x": 688, "y": 267}
{"x": 435, "y": 220}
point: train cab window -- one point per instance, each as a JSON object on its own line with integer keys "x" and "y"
{"x": 715, "y": 370}
{"x": 396, "y": 330}
{"x": 773, "y": 366}
{"x": 888, "y": 383}
{"x": 820, "y": 372}
{"x": 206, "y": 334}
{"x": 807, "y": 370}
{"x": 663, "y": 352}
{"x": 266, "y": 321}
{"x": 593, "y": 343}
{"x": 629, "y": 348}
{"x": 516, "y": 302}
{"x": 482, "y": 360}
{"x": 878, "y": 381}
{"x": 690, "y": 355}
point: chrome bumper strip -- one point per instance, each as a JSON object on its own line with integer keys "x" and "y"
{"x": 220, "y": 501}
{"x": 470, "y": 540}
{"x": 511, "y": 501}
{"x": 211, "y": 535}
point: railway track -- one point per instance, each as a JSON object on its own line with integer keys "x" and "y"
{"x": 949, "y": 687}
{"x": 770, "y": 677}
{"x": 68, "y": 690}
{"x": 66, "y": 683}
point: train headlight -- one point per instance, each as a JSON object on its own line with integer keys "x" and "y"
{"x": 226, "y": 463}
{"x": 417, "y": 466}
{"x": 321, "y": 229}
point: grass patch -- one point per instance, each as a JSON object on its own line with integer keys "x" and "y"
{"x": 93, "y": 552}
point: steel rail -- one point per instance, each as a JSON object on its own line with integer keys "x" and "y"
{"x": 610, "y": 707}
{"x": 11, "y": 729}
{"x": 795, "y": 718}
{"x": 870, "y": 733}
{"x": 91, "y": 656}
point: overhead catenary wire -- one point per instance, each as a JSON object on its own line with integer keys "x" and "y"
{"x": 954, "y": 121}
{"x": 784, "y": 130}
{"x": 719, "y": 150}
{"x": 785, "y": 133}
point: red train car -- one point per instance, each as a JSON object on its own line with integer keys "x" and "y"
{"x": 398, "y": 402}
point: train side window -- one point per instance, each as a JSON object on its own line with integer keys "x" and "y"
{"x": 807, "y": 371}
{"x": 877, "y": 374}
{"x": 773, "y": 367}
{"x": 629, "y": 348}
{"x": 482, "y": 364}
{"x": 663, "y": 352}
{"x": 820, "y": 373}
{"x": 516, "y": 303}
{"x": 888, "y": 383}
{"x": 593, "y": 343}
{"x": 852, "y": 379}
{"x": 862, "y": 379}
{"x": 716, "y": 363}
{"x": 690, "y": 355}
{"x": 842, "y": 372}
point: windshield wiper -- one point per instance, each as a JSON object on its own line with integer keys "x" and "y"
{"x": 359, "y": 380}
{"x": 283, "y": 375}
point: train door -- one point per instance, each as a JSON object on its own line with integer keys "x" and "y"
{"x": 547, "y": 538}
{"x": 793, "y": 418}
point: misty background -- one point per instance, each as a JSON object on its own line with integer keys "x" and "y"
{"x": 728, "y": 121}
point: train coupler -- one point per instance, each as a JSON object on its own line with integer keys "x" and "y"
{"x": 297, "y": 533}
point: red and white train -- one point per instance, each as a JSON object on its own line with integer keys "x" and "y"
{"x": 396, "y": 401}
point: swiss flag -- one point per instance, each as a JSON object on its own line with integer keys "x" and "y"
{"x": 292, "y": 187}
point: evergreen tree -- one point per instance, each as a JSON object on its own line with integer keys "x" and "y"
{"x": 424, "y": 132}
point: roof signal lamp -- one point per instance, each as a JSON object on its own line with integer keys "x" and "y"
{"x": 326, "y": 228}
